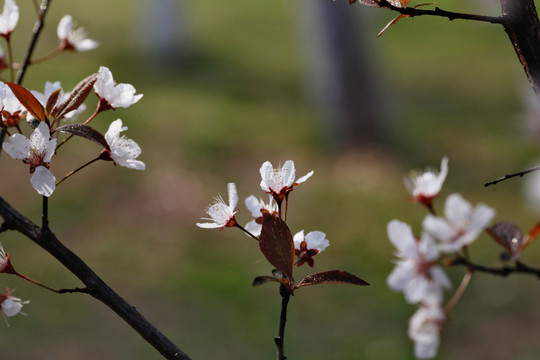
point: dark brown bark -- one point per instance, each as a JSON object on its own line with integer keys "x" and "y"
{"x": 520, "y": 21}
{"x": 95, "y": 286}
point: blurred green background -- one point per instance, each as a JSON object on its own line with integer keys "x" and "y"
{"x": 236, "y": 99}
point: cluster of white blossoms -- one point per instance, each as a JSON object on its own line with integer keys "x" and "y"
{"x": 417, "y": 272}
{"x": 39, "y": 148}
{"x": 277, "y": 183}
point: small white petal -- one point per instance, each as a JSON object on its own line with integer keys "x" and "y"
{"x": 233, "y": 195}
{"x": 297, "y": 239}
{"x": 43, "y": 181}
{"x": 317, "y": 240}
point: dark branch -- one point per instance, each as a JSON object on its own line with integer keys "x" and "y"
{"x": 504, "y": 271}
{"x": 95, "y": 286}
{"x": 450, "y": 15}
{"x": 280, "y": 338}
{"x": 35, "y": 35}
{"x": 509, "y": 176}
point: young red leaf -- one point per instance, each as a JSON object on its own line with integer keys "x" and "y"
{"x": 276, "y": 244}
{"x": 78, "y": 95}
{"x": 86, "y": 132}
{"x": 506, "y": 234}
{"x": 531, "y": 235}
{"x": 52, "y": 100}
{"x": 332, "y": 277}
{"x": 28, "y": 101}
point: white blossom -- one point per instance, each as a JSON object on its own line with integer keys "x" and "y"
{"x": 123, "y": 151}
{"x": 306, "y": 247}
{"x": 8, "y": 101}
{"x": 221, "y": 214}
{"x": 426, "y": 185}
{"x": 462, "y": 225}
{"x": 9, "y": 18}
{"x": 75, "y": 39}
{"x": 115, "y": 95}
{"x": 257, "y": 207}
{"x": 37, "y": 152}
{"x": 425, "y": 326}
{"x": 11, "y": 305}
{"x": 315, "y": 240}
{"x": 415, "y": 272}
{"x": 281, "y": 180}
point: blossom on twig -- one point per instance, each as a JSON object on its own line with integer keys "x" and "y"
{"x": 425, "y": 326}
{"x": 424, "y": 186}
{"x": 37, "y": 152}
{"x": 9, "y": 18}
{"x": 415, "y": 272}
{"x": 462, "y": 225}
{"x": 113, "y": 95}
{"x": 123, "y": 151}
{"x": 306, "y": 247}
{"x": 279, "y": 182}
{"x": 11, "y": 305}
{"x": 73, "y": 39}
{"x": 11, "y": 109}
{"x": 221, "y": 214}
{"x": 5, "y": 262}
{"x": 258, "y": 208}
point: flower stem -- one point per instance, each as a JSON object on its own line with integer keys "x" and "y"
{"x": 10, "y": 55}
{"x": 98, "y": 110}
{"x": 280, "y": 338}
{"x": 45, "y": 57}
{"x": 236, "y": 224}
{"x": 37, "y": 283}
{"x": 45, "y": 215}
{"x": 77, "y": 169}
{"x": 459, "y": 291}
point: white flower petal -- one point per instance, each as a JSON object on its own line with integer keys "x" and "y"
{"x": 297, "y": 239}
{"x": 253, "y": 228}
{"x": 233, "y": 195}
{"x": 43, "y": 181}
{"x": 317, "y": 240}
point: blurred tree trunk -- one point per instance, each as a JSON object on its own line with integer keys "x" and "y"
{"x": 343, "y": 83}
{"x": 164, "y": 30}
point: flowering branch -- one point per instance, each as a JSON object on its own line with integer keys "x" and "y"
{"x": 450, "y": 15}
{"x": 509, "y": 176}
{"x": 94, "y": 285}
{"x": 504, "y": 271}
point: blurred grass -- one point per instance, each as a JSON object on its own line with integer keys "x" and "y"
{"x": 236, "y": 101}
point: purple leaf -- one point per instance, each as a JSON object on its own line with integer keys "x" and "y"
{"x": 332, "y": 277}
{"x": 276, "y": 244}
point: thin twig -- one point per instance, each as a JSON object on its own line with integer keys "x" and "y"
{"x": 40, "y": 20}
{"x": 459, "y": 292}
{"x": 280, "y": 338}
{"x": 450, "y": 15}
{"x": 509, "y": 176}
{"x": 95, "y": 286}
{"x": 503, "y": 271}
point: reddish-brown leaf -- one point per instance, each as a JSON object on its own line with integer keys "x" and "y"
{"x": 531, "y": 235}
{"x": 78, "y": 95}
{"x": 404, "y": 2}
{"x": 52, "y": 100}
{"x": 276, "y": 244}
{"x": 332, "y": 277}
{"x": 28, "y": 100}
{"x": 508, "y": 235}
{"x": 86, "y": 132}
